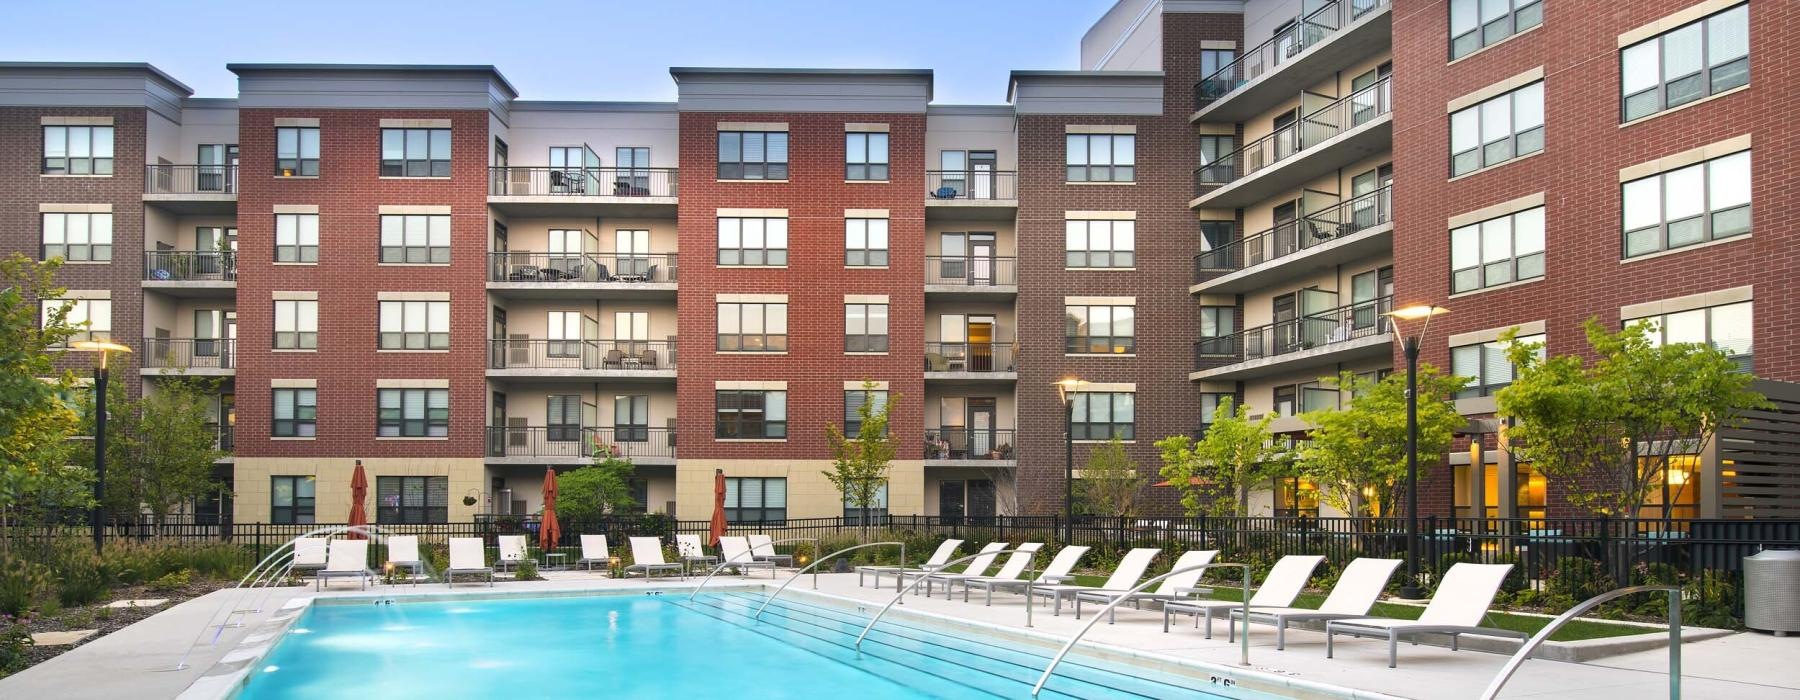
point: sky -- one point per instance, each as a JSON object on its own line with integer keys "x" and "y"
{"x": 572, "y": 50}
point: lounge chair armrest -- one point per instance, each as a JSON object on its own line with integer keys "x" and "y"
{"x": 1197, "y": 591}
{"x": 1058, "y": 580}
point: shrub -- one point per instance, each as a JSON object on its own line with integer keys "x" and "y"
{"x": 172, "y": 581}
{"x": 1577, "y": 579}
{"x": 22, "y": 584}
{"x": 78, "y": 575}
{"x": 526, "y": 570}
{"x": 15, "y": 647}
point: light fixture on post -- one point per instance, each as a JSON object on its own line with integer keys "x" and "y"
{"x": 104, "y": 347}
{"x": 1409, "y": 345}
{"x": 1066, "y": 388}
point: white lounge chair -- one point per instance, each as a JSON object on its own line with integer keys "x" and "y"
{"x": 467, "y": 556}
{"x": 403, "y": 552}
{"x": 512, "y": 550}
{"x": 693, "y": 552}
{"x": 1279, "y": 589}
{"x": 739, "y": 556}
{"x": 309, "y": 555}
{"x": 593, "y": 551}
{"x": 1176, "y": 586}
{"x": 976, "y": 567}
{"x": 1124, "y": 578}
{"x": 763, "y": 546}
{"x": 347, "y": 559}
{"x": 945, "y": 551}
{"x": 1015, "y": 566}
{"x": 1356, "y": 590}
{"x": 647, "y": 556}
{"x": 1457, "y": 608}
{"x": 1056, "y": 573}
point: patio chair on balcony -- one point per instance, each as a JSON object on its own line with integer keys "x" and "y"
{"x": 647, "y": 360}
{"x": 524, "y": 273}
{"x": 945, "y": 193}
{"x": 614, "y": 359}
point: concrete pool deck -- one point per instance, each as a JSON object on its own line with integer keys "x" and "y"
{"x": 138, "y": 661}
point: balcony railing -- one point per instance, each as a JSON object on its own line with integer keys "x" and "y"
{"x": 223, "y": 439}
{"x": 1284, "y": 46}
{"x": 987, "y": 185}
{"x": 972, "y": 271}
{"x": 190, "y": 265}
{"x": 582, "y": 182}
{"x": 190, "y": 353}
{"x": 969, "y": 443}
{"x": 970, "y": 357}
{"x": 630, "y": 442}
{"x": 1312, "y": 129}
{"x": 1329, "y": 327}
{"x": 1340, "y": 220}
{"x": 558, "y": 268}
{"x": 190, "y": 179}
{"x": 640, "y": 355}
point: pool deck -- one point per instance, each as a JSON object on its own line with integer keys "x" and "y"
{"x": 138, "y": 661}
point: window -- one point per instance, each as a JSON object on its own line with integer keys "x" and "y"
{"x": 1497, "y": 251}
{"x": 1212, "y": 83}
{"x": 633, "y": 176}
{"x": 854, "y": 400}
{"x": 1100, "y": 243}
{"x": 1702, "y": 202}
{"x": 296, "y": 324}
{"x": 91, "y": 318}
{"x": 1726, "y": 327}
{"x": 1101, "y": 157}
{"x": 562, "y": 416}
{"x": 866, "y": 242}
{"x": 1215, "y": 236}
{"x": 631, "y": 418}
{"x": 755, "y": 500}
{"x": 1675, "y": 485}
{"x": 1104, "y": 416}
{"x": 1477, "y": 23}
{"x": 753, "y": 242}
{"x": 753, "y": 415}
{"x": 865, "y": 327}
{"x": 296, "y": 413}
{"x": 1533, "y": 491}
{"x": 297, "y": 151}
{"x": 297, "y": 238}
{"x": 1706, "y": 57}
{"x": 865, "y": 156}
{"x": 1209, "y": 406}
{"x": 1498, "y": 130}
{"x": 1287, "y": 400}
{"x": 1216, "y": 163}
{"x": 1217, "y": 324}
{"x": 415, "y": 325}
{"x": 412, "y": 413}
{"x": 78, "y": 237}
{"x": 752, "y": 327}
{"x": 1486, "y": 366}
{"x": 753, "y": 155}
{"x": 1101, "y": 329}
{"x": 412, "y": 500}
{"x": 876, "y": 513}
{"x": 415, "y": 238}
{"x": 1296, "y": 497}
{"x": 415, "y": 153}
{"x": 291, "y": 500}
{"x": 78, "y": 150}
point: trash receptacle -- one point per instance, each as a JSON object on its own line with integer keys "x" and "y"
{"x": 1772, "y": 591}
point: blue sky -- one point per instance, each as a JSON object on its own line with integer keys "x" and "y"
{"x": 572, "y": 50}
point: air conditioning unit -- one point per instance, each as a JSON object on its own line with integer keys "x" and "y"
{"x": 517, "y": 434}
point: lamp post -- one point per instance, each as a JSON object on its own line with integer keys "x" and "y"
{"x": 100, "y": 376}
{"x": 1066, "y": 389}
{"x": 1409, "y": 345}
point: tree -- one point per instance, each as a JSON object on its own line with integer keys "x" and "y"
{"x": 859, "y": 465}
{"x": 161, "y": 448}
{"x": 35, "y": 421}
{"x": 1110, "y": 482}
{"x": 600, "y": 489}
{"x": 1606, "y": 430}
{"x": 1356, "y": 455}
{"x": 1217, "y": 472}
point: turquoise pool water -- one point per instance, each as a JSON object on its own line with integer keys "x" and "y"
{"x": 654, "y": 646}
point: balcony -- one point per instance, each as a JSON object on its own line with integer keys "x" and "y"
{"x": 971, "y": 362}
{"x": 589, "y": 191}
{"x": 223, "y": 441}
{"x": 971, "y": 278}
{"x": 1326, "y": 138}
{"x": 555, "y": 359}
{"x": 194, "y": 357}
{"x": 192, "y": 189}
{"x": 1328, "y": 337}
{"x": 572, "y": 445}
{"x": 971, "y": 194}
{"x": 191, "y": 273}
{"x": 1352, "y": 230}
{"x": 959, "y": 446}
{"x": 528, "y": 275}
{"x": 1312, "y": 49}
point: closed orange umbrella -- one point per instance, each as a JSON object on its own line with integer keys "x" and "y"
{"x": 718, "y": 519}
{"x": 359, "y": 492}
{"x": 549, "y": 531}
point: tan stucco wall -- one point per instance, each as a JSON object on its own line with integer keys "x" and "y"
{"x": 332, "y": 490}
{"x": 809, "y": 493}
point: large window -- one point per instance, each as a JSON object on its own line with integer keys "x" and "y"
{"x": 753, "y": 242}
{"x": 752, "y": 327}
{"x": 866, "y": 242}
{"x": 854, "y": 400}
{"x": 865, "y": 327}
{"x": 562, "y": 418}
{"x": 1100, "y": 243}
{"x": 78, "y": 237}
{"x": 753, "y": 155}
{"x": 91, "y": 318}
{"x": 415, "y": 325}
{"x": 296, "y": 324}
{"x": 415, "y": 238}
{"x": 78, "y": 150}
{"x": 412, "y": 413}
{"x": 295, "y": 413}
{"x": 1705, "y": 57}
{"x": 1702, "y": 202}
{"x": 412, "y": 500}
{"x": 1497, "y": 251}
{"x": 751, "y": 415}
{"x": 1726, "y": 327}
{"x": 1104, "y": 416}
{"x": 865, "y": 156}
{"x": 1215, "y": 156}
{"x": 1486, "y": 366}
{"x": 1102, "y": 157}
{"x": 297, "y": 238}
{"x": 1217, "y": 324}
{"x": 291, "y": 500}
{"x": 297, "y": 151}
{"x": 1478, "y": 23}
{"x": 755, "y": 500}
{"x": 1101, "y": 329}
{"x": 631, "y": 418}
{"x": 1296, "y": 497}
{"x": 875, "y": 514}
{"x": 415, "y": 153}
{"x": 1497, "y": 130}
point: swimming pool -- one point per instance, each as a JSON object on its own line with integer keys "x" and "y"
{"x": 655, "y": 645}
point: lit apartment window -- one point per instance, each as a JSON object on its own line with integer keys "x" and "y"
{"x": 78, "y": 150}
{"x": 1497, "y": 251}
{"x": 1101, "y": 329}
{"x": 1705, "y": 57}
{"x": 296, "y": 324}
{"x": 295, "y": 413}
{"x": 1100, "y": 243}
{"x": 1702, "y": 202}
{"x": 1104, "y": 416}
{"x": 755, "y": 500}
{"x": 1216, "y": 328}
{"x": 752, "y": 327}
{"x": 415, "y": 238}
{"x": 753, "y": 155}
{"x": 865, "y": 156}
{"x": 1477, "y": 23}
{"x": 1102, "y": 157}
{"x": 412, "y": 412}
{"x": 1486, "y": 366}
{"x": 854, "y": 400}
{"x": 412, "y": 500}
{"x": 753, "y": 242}
{"x": 415, "y": 153}
{"x": 755, "y": 414}
{"x": 1497, "y": 130}
{"x": 866, "y": 242}
{"x": 291, "y": 500}
{"x": 91, "y": 318}
{"x": 297, "y": 238}
{"x": 1726, "y": 327}
{"x": 415, "y": 325}
{"x": 78, "y": 237}
{"x": 297, "y": 151}
{"x": 865, "y": 327}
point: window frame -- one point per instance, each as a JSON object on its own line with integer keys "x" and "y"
{"x": 303, "y": 165}
{"x": 80, "y": 316}
{"x": 429, "y": 166}
{"x": 735, "y": 342}
{"x": 293, "y": 513}
{"x": 1116, "y": 344}
{"x": 1216, "y": 339}
{"x": 867, "y": 169}
{"x": 739, "y": 427}
{"x": 1100, "y": 431}
{"x": 1114, "y": 171}
{"x": 93, "y": 164}
{"x": 1089, "y": 257}
{"x": 1707, "y": 215}
{"x": 1658, "y": 331}
{"x": 1531, "y": 10}
{"x": 735, "y": 512}
{"x": 1480, "y": 385}
{"x": 433, "y": 311}
{"x": 298, "y": 250}
{"x": 302, "y": 339}
{"x": 1533, "y": 137}
{"x": 1706, "y": 73}
{"x": 852, "y": 410}
{"x": 737, "y": 168}
{"x": 739, "y": 254}
{"x": 302, "y": 406}
{"x": 434, "y": 422}
{"x": 92, "y": 250}
{"x": 865, "y": 254}
{"x": 403, "y": 514}
{"x": 867, "y": 341}
{"x": 1516, "y": 263}
{"x": 399, "y": 249}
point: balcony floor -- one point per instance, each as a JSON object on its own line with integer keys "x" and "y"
{"x": 526, "y": 374}
{"x": 200, "y": 203}
{"x": 1295, "y": 171}
{"x": 1367, "y": 36}
{"x": 583, "y": 290}
{"x": 1367, "y": 243}
{"x": 1377, "y": 345}
{"x": 193, "y": 289}
{"x": 567, "y": 205}
{"x": 971, "y": 209}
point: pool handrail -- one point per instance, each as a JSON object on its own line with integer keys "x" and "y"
{"x": 723, "y": 565}
{"x": 925, "y": 575}
{"x": 1524, "y": 652}
{"x": 816, "y": 563}
{"x": 1243, "y": 640}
